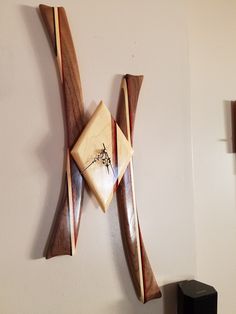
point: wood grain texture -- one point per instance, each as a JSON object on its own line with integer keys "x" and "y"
{"x": 64, "y": 232}
{"x": 233, "y": 125}
{"x": 141, "y": 273}
{"x": 88, "y": 153}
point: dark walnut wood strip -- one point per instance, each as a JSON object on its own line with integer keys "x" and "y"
{"x": 141, "y": 273}
{"x": 64, "y": 232}
{"x": 233, "y": 125}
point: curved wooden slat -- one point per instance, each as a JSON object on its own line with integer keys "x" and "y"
{"x": 141, "y": 273}
{"x": 64, "y": 233}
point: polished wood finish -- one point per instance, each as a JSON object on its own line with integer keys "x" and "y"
{"x": 142, "y": 275}
{"x": 102, "y": 154}
{"x": 64, "y": 233}
{"x": 233, "y": 125}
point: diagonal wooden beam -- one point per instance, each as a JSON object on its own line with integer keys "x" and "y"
{"x": 140, "y": 269}
{"x": 64, "y": 232}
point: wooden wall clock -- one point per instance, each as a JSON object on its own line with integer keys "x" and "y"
{"x": 103, "y": 153}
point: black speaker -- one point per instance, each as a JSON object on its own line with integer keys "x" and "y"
{"x": 195, "y": 297}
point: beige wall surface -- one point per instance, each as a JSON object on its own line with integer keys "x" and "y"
{"x": 111, "y": 38}
{"x": 212, "y": 47}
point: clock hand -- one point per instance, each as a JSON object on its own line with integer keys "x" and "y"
{"x": 99, "y": 156}
{"x": 104, "y": 157}
{"x": 107, "y": 160}
{"x": 89, "y": 165}
{"x": 109, "y": 163}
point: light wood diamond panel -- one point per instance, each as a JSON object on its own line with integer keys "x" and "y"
{"x": 102, "y": 154}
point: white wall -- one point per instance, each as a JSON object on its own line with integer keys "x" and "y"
{"x": 111, "y": 38}
{"x": 212, "y": 46}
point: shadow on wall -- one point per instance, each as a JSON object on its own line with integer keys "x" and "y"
{"x": 170, "y": 298}
{"x": 166, "y": 305}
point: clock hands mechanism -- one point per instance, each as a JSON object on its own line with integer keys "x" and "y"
{"x": 104, "y": 158}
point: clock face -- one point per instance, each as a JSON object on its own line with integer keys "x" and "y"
{"x": 102, "y": 154}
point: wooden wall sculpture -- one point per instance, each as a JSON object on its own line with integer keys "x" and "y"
{"x": 141, "y": 273}
{"x": 64, "y": 233}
